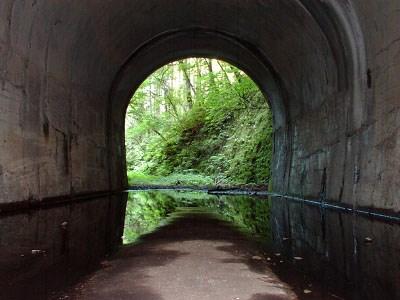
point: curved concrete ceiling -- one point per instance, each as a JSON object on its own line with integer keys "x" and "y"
{"x": 88, "y": 41}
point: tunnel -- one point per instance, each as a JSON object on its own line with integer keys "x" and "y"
{"x": 329, "y": 70}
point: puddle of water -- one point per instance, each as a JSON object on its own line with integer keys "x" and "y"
{"x": 147, "y": 210}
{"x": 341, "y": 255}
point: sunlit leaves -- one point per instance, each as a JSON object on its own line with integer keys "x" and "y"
{"x": 192, "y": 111}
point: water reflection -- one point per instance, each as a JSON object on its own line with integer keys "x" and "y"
{"x": 44, "y": 250}
{"x": 358, "y": 256}
{"x": 343, "y": 255}
{"x": 148, "y": 209}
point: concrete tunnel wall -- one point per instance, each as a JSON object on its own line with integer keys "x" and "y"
{"x": 330, "y": 75}
{"x": 329, "y": 69}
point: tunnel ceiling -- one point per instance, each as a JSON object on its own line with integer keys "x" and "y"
{"x": 99, "y": 37}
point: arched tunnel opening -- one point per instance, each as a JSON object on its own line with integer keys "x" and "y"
{"x": 196, "y": 124}
{"x": 329, "y": 70}
{"x": 194, "y": 42}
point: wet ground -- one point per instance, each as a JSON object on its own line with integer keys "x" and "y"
{"x": 193, "y": 245}
{"x": 197, "y": 255}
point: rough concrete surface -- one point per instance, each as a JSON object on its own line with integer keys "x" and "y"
{"x": 329, "y": 71}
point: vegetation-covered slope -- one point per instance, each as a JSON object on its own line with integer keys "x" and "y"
{"x": 198, "y": 121}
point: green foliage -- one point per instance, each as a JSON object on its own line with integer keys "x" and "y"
{"x": 186, "y": 179}
{"x": 200, "y": 115}
{"x": 140, "y": 178}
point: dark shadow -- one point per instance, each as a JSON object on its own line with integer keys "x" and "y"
{"x": 39, "y": 258}
{"x": 255, "y": 265}
{"x": 140, "y": 293}
{"x": 133, "y": 259}
{"x": 150, "y": 251}
{"x": 192, "y": 226}
{"x": 266, "y": 297}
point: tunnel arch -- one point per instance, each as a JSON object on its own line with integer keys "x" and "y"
{"x": 341, "y": 67}
{"x": 309, "y": 57}
{"x": 199, "y": 42}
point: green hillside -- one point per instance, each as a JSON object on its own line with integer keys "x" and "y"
{"x": 198, "y": 122}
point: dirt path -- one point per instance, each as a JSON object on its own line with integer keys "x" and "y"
{"x": 194, "y": 256}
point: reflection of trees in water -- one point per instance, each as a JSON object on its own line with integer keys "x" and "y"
{"x": 146, "y": 209}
